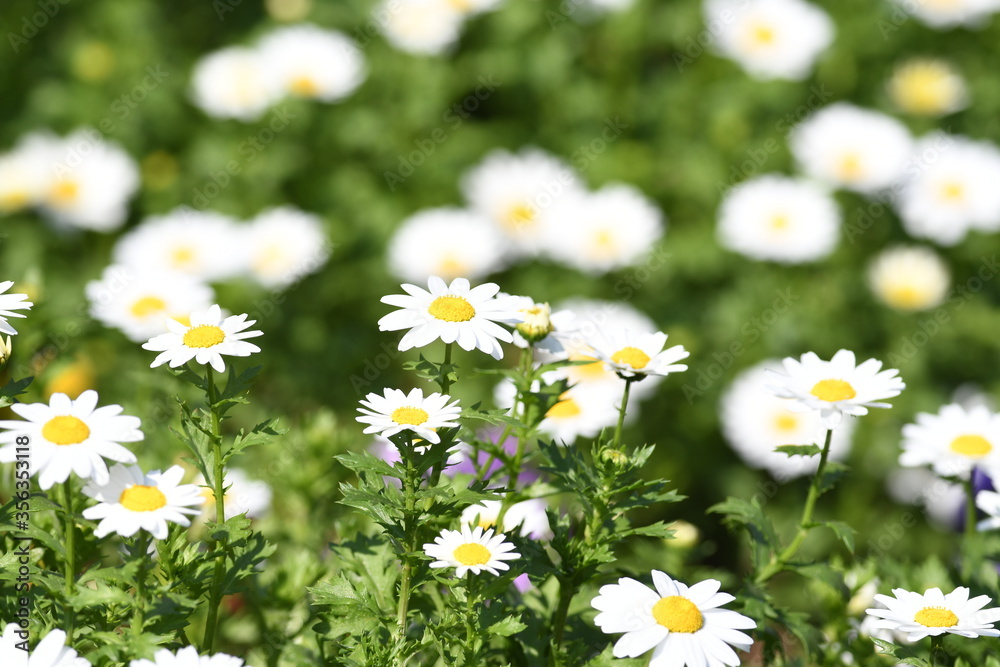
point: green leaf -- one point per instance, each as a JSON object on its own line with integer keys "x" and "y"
{"x": 507, "y": 627}
{"x": 843, "y": 532}
{"x": 799, "y": 450}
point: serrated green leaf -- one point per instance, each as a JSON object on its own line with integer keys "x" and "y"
{"x": 507, "y": 627}
{"x": 799, "y": 450}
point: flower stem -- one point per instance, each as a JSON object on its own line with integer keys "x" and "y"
{"x": 410, "y": 482}
{"x": 445, "y": 381}
{"x": 621, "y": 415}
{"x": 778, "y": 564}
{"x": 970, "y": 506}
{"x": 939, "y": 656}
{"x": 471, "y": 655}
{"x": 138, "y": 614}
{"x": 527, "y": 368}
{"x": 218, "y": 489}
{"x": 70, "y": 554}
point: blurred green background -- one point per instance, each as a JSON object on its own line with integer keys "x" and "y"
{"x": 693, "y": 121}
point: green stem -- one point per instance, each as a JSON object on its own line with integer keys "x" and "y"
{"x": 778, "y": 564}
{"x": 138, "y": 614}
{"x": 445, "y": 381}
{"x": 621, "y": 415}
{"x": 70, "y": 554}
{"x": 938, "y": 651}
{"x": 566, "y": 590}
{"x": 471, "y": 655}
{"x": 410, "y": 482}
{"x": 970, "y": 506}
{"x": 218, "y": 488}
{"x": 527, "y": 370}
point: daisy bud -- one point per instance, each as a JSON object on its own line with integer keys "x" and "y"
{"x": 686, "y": 534}
{"x": 614, "y": 456}
{"x": 5, "y": 347}
{"x": 537, "y": 322}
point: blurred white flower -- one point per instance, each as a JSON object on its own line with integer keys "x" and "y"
{"x": 283, "y": 245}
{"x": 51, "y": 651}
{"x": 927, "y": 87}
{"x": 25, "y": 173}
{"x": 944, "y": 14}
{"x": 755, "y": 421}
{"x": 952, "y": 189}
{"x": 421, "y": 26}
{"x": 581, "y": 412}
{"x": 529, "y": 515}
{"x": 602, "y": 231}
{"x": 770, "y": 39}
{"x": 953, "y": 441}
{"x": 251, "y": 497}
{"x": 779, "y": 219}
{"x": 139, "y": 304}
{"x": 909, "y": 278}
{"x": 10, "y": 303}
{"x": 852, "y": 148}
{"x": 517, "y": 193}
{"x": 446, "y": 242}
{"x": 309, "y": 61}
{"x": 198, "y": 243}
{"x": 235, "y": 82}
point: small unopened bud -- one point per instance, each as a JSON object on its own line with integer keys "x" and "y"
{"x": 537, "y": 322}
{"x": 5, "y": 347}
{"x": 685, "y": 534}
{"x": 614, "y": 456}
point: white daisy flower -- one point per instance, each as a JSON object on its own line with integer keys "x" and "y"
{"x": 529, "y": 515}
{"x": 471, "y": 551}
{"x": 130, "y": 501}
{"x": 770, "y": 39}
{"x": 312, "y": 62}
{"x": 455, "y": 313}
{"x": 602, "y": 231}
{"x": 446, "y": 242}
{"x": 473, "y": 7}
{"x": 10, "y": 303}
{"x": 187, "y": 657}
{"x": 25, "y": 173}
{"x": 945, "y": 14}
{"x": 779, "y": 219}
{"x": 91, "y": 181}
{"x": 235, "y": 82}
{"x": 208, "y": 337}
{"x": 909, "y": 278}
{"x": 425, "y": 27}
{"x": 581, "y": 411}
{"x": 610, "y": 5}
{"x": 198, "y": 243}
{"x": 396, "y": 411}
{"x": 284, "y": 245}
{"x": 934, "y": 613}
{"x": 928, "y": 87}
{"x": 837, "y": 387}
{"x": 853, "y": 148}
{"x": 989, "y": 502}
{"x": 251, "y": 497}
{"x": 70, "y": 436}
{"x": 953, "y": 441}
{"x": 682, "y": 625}
{"x": 755, "y": 422}
{"x": 517, "y": 193}
{"x": 633, "y": 354}
{"x": 952, "y": 189}
{"x": 139, "y": 304}
{"x": 51, "y": 651}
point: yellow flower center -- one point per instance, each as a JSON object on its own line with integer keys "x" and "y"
{"x": 953, "y": 192}
{"x": 139, "y": 498}
{"x": 564, "y": 409}
{"x": 451, "y": 266}
{"x": 460, "y": 5}
{"x": 409, "y": 415}
{"x": 833, "y": 390}
{"x": 849, "y": 167}
{"x": 472, "y": 554}
{"x": 973, "y": 446}
{"x": 64, "y": 193}
{"x": 631, "y": 356}
{"x": 907, "y": 297}
{"x": 14, "y": 199}
{"x": 451, "y": 309}
{"x": 72, "y": 380}
{"x": 779, "y": 222}
{"x": 925, "y": 88}
{"x": 678, "y": 614}
{"x": 271, "y": 260}
{"x": 304, "y": 86}
{"x": 786, "y": 423}
{"x": 585, "y": 372}
{"x": 65, "y": 430}
{"x": 206, "y": 335}
{"x": 518, "y": 216}
{"x": 604, "y": 243}
{"x": 936, "y": 617}
{"x": 182, "y": 257}
{"x": 148, "y": 305}
{"x": 762, "y": 35}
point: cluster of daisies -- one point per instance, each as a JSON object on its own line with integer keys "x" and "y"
{"x": 52, "y": 651}
{"x": 76, "y": 437}
{"x": 162, "y": 268}
{"x": 431, "y": 27}
{"x": 527, "y": 205}
{"x": 78, "y": 181}
{"x": 300, "y": 61}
